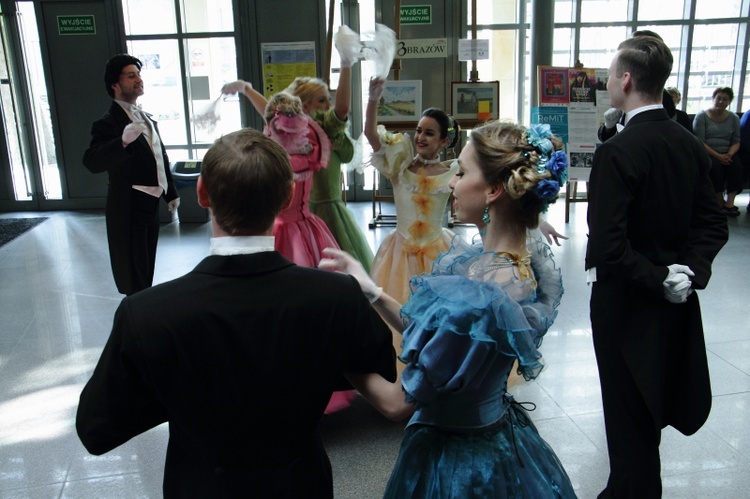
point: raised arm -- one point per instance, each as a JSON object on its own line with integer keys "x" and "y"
{"x": 343, "y": 93}
{"x": 377, "y": 86}
{"x": 246, "y": 88}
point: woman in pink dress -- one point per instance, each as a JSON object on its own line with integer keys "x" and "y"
{"x": 299, "y": 235}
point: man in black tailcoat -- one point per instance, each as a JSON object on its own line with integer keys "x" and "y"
{"x": 654, "y": 230}
{"x": 242, "y": 354}
{"x": 125, "y": 143}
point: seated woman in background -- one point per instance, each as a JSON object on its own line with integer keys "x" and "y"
{"x": 483, "y": 307}
{"x": 719, "y": 130}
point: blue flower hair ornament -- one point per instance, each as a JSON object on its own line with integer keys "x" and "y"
{"x": 539, "y": 137}
{"x": 553, "y": 164}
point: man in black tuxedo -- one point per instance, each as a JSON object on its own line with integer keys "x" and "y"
{"x": 654, "y": 230}
{"x": 242, "y": 354}
{"x": 125, "y": 143}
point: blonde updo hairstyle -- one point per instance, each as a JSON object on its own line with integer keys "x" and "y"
{"x": 506, "y": 158}
{"x": 305, "y": 86}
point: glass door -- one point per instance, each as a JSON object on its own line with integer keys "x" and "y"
{"x": 21, "y": 181}
{"x": 360, "y": 17}
{"x": 44, "y": 155}
{"x": 29, "y": 145}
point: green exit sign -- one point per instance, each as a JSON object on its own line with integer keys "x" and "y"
{"x": 416, "y": 14}
{"x": 76, "y": 25}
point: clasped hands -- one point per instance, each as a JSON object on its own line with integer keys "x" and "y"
{"x": 725, "y": 159}
{"x": 677, "y": 285}
{"x": 341, "y": 261}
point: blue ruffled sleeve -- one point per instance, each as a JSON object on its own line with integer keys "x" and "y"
{"x": 548, "y": 276}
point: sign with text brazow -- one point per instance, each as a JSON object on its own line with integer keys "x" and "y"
{"x": 421, "y": 48}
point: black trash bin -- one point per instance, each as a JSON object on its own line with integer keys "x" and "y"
{"x": 185, "y": 175}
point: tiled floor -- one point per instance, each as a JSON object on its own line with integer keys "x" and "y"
{"x": 57, "y": 300}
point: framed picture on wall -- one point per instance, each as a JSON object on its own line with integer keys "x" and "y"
{"x": 476, "y": 101}
{"x": 401, "y": 101}
{"x": 553, "y": 86}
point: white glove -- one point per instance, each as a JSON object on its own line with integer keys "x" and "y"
{"x": 174, "y": 204}
{"x": 235, "y": 87}
{"x": 677, "y": 284}
{"x": 377, "y": 87}
{"x": 612, "y": 117}
{"x": 133, "y": 131}
{"x": 341, "y": 261}
{"x": 348, "y": 45}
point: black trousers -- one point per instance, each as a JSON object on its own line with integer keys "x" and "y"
{"x": 132, "y": 233}
{"x": 727, "y": 178}
{"x": 633, "y": 437}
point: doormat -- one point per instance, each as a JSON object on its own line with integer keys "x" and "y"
{"x": 11, "y": 228}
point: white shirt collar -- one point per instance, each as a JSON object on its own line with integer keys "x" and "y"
{"x": 128, "y": 107}
{"x": 241, "y": 245}
{"x": 637, "y": 110}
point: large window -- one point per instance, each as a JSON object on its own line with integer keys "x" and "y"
{"x": 707, "y": 49}
{"x": 188, "y": 53}
{"x": 500, "y": 22}
{"x": 710, "y": 50}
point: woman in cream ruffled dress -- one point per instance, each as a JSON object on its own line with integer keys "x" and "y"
{"x": 421, "y": 191}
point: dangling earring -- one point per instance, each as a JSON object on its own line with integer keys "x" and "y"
{"x": 485, "y": 220}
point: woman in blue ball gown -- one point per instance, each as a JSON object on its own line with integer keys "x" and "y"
{"x": 483, "y": 307}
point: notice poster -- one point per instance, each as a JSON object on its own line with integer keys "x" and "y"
{"x": 581, "y": 160}
{"x": 553, "y": 86}
{"x": 582, "y": 85}
{"x": 283, "y": 62}
{"x": 554, "y": 116}
{"x": 582, "y": 124}
{"x": 603, "y": 101}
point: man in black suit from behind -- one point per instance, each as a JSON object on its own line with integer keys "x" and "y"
{"x": 125, "y": 143}
{"x": 242, "y": 354}
{"x": 654, "y": 230}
